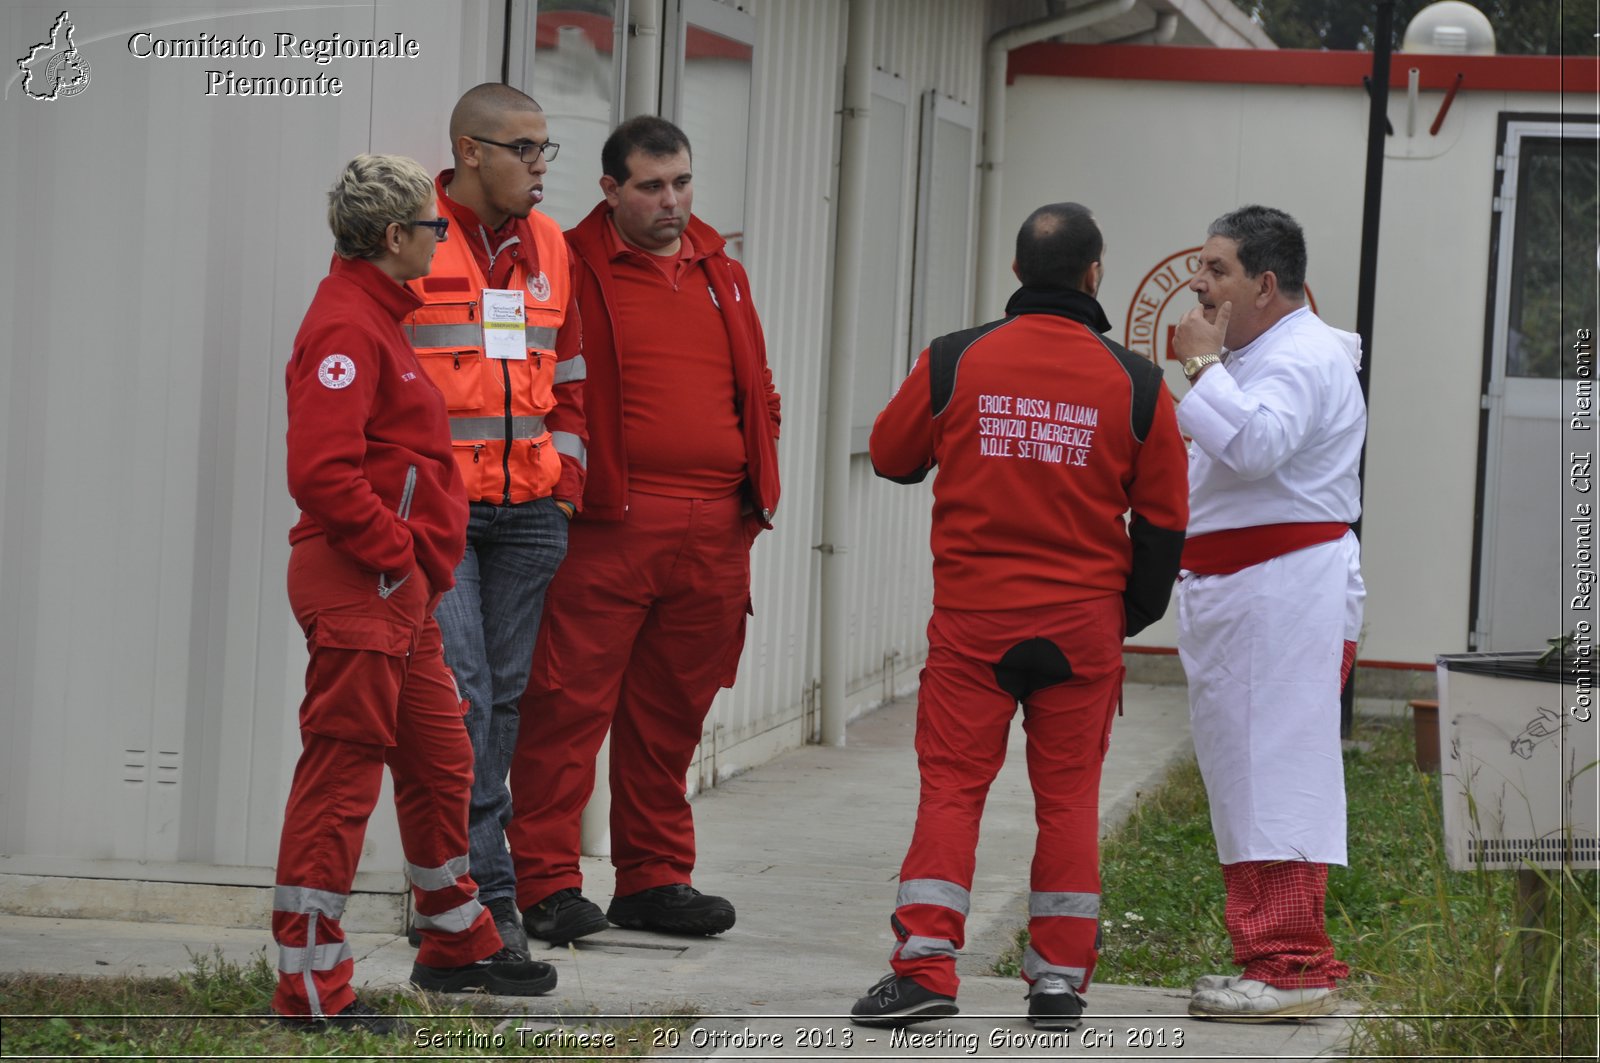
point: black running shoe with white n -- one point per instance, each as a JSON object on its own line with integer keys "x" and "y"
{"x": 894, "y": 1001}
{"x": 1053, "y": 1004}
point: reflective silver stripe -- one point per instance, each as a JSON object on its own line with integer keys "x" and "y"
{"x": 1034, "y": 965}
{"x": 303, "y": 900}
{"x": 321, "y": 958}
{"x": 465, "y": 428}
{"x": 933, "y": 891}
{"x": 445, "y": 335}
{"x": 437, "y": 878}
{"x": 454, "y": 921}
{"x": 313, "y": 997}
{"x": 572, "y": 446}
{"x": 574, "y": 368}
{"x": 541, "y": 336}
{"x": 1078, "y": 905}
{"x": 916, "y": 947}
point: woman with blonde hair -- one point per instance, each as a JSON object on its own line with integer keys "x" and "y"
{"x": 382, "y": 525}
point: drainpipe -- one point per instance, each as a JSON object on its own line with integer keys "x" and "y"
{"x": 991, "y": 269}
{"x": 641, "y": 89}
{"x": 841, "y": 364}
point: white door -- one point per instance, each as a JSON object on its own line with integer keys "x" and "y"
{"x": 1544, "y": 295}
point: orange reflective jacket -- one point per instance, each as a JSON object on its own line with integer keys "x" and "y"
{"x": 497, "y": 405}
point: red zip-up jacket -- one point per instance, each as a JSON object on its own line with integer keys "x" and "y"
{"x": 369, "y": 439}
{"x": 1045, "y": 435}
{"x": 605, "y": 491}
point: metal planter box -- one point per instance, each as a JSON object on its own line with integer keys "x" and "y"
{"x": 1519, "y": 770}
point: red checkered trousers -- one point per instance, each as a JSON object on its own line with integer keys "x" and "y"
{"x": 1274, "y": 913}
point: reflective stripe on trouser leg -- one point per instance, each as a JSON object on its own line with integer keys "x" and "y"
{"x": 1034, "y": 965}
{"x": 318, "y": 968}
{"x": 1068, "y": 725}
{"x": 427, "y": 881}
{"x": 963, "y": 720}
{"x": 934, "y": 891}
{"x": 929, "y": 925}
{"x": 336, "y": 783}
{"x": 1066, "y": 925}
{"x": 432, "y": 769}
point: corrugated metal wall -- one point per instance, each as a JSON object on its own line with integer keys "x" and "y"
{"x": 161, "y": 251}
{"x": 931, "y": 45}
{"x": 162, "y": 246}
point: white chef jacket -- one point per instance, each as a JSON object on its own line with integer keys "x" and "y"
{"x": 1277, "y": 433}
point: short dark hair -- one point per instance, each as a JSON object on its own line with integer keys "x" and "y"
{"x": 654, "y": 136}
{"x": 1267, "y": 239}
{"x": 1057, "y": 245}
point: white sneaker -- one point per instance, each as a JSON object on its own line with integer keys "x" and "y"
{"x": 1248, "y": 1000}
{"x": 1213, "y": 981}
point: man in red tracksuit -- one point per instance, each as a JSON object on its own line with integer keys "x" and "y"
{"x": 1044, "y": 434}
{"x": 645, "y": 619}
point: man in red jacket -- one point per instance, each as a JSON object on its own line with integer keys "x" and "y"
{"x": 645, "y": 619}
{"x": 1045, "y": 434}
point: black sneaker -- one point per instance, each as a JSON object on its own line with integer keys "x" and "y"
{"x": 355, "y": 1016}
{"x": 675, "y": 909}
{"x": 894, "y": 1001}
{"x": 1053, "y": 1004}
{"x": 509, "y": 923}
{"x": 505, "y": 974}
{"x": 564, "y": 916}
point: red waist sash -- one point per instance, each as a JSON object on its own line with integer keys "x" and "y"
{"x": 1222, "y": 553}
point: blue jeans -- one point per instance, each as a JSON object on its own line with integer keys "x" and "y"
{"x": 490, "y": 621}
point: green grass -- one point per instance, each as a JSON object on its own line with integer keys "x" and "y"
{"x": 219, "y": 1009}
{"x": 1436, "y": 955}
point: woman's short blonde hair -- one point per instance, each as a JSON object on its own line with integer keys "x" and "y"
{"x": 371, "y": 193}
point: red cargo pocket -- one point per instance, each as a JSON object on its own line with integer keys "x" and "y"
{"x": 353, "y": 680}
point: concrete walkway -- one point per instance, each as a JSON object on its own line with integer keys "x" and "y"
{"x": 808, "y": 848}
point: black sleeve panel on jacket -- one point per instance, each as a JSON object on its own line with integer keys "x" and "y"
{"x": 1146, "y": 379}
{"x": 944, "y": 359}
{"x": 1156, "y": 556}
{"x": 910, "y": 478}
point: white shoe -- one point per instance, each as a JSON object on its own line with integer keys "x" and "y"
{"x": 1213, "y": 981}
{"x": 1248, "y": 1000}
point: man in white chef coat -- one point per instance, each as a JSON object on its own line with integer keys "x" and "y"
{"x": 1269, "y": 602}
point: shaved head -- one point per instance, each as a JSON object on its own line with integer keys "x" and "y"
{"x": 481, "y": 109}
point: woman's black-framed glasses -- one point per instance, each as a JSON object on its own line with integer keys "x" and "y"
{"x": 526, "y": 151}
{"x": 440, "y": 227}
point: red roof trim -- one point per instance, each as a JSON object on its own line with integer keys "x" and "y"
{"x": 1243, "y": 66}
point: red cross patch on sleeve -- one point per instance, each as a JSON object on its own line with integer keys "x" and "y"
{"x": 337, "y": 371}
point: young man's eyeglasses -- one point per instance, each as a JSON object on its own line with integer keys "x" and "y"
{"x": 526, "y": 151}
{"x": 440, "y": 227}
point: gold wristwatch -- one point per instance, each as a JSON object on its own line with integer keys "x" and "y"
{"x": 1192, "y": 367}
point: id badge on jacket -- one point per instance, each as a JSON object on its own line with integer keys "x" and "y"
{"x": 504, "y": 325}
